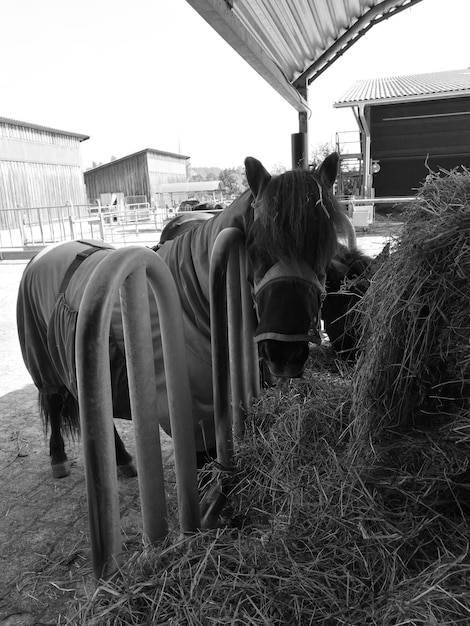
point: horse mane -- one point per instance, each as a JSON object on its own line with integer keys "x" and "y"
{"x": 298, "y": 218}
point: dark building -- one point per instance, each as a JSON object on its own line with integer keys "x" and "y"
{"x": 409, "y": 124}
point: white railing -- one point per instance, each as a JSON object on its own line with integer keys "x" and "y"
{"x": 25, "y": 230}
{"x": 362, "y": 210}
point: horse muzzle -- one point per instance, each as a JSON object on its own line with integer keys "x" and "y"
{"x": 284, "y": 359}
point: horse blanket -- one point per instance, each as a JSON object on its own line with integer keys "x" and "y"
{"x": 48, "y": 308}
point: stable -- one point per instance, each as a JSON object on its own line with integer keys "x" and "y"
{"x": 172, "y": 194}
{"x": 39, "y": 166}
{"x": 136, "y": 177}
{"x": 408, "y": 125}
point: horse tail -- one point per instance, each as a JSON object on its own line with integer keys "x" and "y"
{"x": 60, "y": 408}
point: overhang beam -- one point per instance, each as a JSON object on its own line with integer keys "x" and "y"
{"x": 374, "y": 15}
{"x": 218, "y": 14}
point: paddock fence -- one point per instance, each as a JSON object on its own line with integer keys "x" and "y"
{"x": 26, "y": 230}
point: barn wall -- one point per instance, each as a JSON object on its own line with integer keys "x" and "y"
{"x": 165, "y": 168}
{"x": 139, "y": 174}
{"x": 40, "y": 184}
{"x": 39, "y": 167}
{"x": 405, "y": 136}
{"x": 128, "y": 176}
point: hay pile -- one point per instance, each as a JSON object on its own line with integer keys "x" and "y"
{"x": 412, "y": 384}
{"x": 305, "y": 541}
{"x": 311, "y": 535}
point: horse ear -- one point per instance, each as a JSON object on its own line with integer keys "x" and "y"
{"x": 256, "y": 175}
{"x": 328, "y": 170}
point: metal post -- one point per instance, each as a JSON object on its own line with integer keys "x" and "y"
{"x": 366, "y": 151}
{"x": 299, "y": 151}
{"x": 250, "y": 348}
{"x": 299, "y": 141}
{"x": 234, "y": 357}
{"x": 231, "y": 307}
{"x": 128, "y": 267}
{"x": 72, "y": 228}
{"x": 143, "y": 397}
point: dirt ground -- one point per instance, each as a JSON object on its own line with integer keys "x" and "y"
{"x": 44, "y": 546}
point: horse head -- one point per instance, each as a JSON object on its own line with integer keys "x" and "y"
{"x": 290, "y": 244}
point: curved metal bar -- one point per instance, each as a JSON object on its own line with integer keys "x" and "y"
{"x": 250, "y": 348}
{"x": 231, "y": 308}
{"x": 132, "y": 268}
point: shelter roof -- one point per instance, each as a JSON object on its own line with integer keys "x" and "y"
{"x": 189, "y": 187}
{"x": 291, "y": 43}
{"x": 434, "y": 85}
{"x": 7, "y": 120}
{"x": 134, "y": 154}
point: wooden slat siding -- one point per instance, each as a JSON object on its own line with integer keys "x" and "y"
{"x": 127, "y": 176}
{"x": 40, "y": 184}
{"x": 164, "y": 169}
{"x": 39, "y": 167}
{"x": 136, "y": 175}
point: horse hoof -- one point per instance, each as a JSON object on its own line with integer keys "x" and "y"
{"x": 127, "y": 471}
{"x": 60, "y": 470}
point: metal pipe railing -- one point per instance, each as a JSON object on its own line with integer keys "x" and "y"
{"x": 234, "y": 359}
{"x": 132, "y": 270}
{"x": 234, "y": 353}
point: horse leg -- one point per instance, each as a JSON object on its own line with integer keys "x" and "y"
{"x": 52, "y": 406}
{"x": 123, "y": 459}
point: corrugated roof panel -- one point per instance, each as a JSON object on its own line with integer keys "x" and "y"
{"x": 433, "y": 84}
{"x": 292, "y": 42}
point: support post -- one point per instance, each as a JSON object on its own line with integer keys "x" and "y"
{"x": 299, "y": 141}
{"x": 366, "y": 151}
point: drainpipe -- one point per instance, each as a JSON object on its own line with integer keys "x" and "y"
{"x": 363, "y": 123}
{"x": 299, "y": 141}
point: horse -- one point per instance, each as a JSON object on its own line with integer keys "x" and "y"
{"x": 349, "y": 266}
{"x": 291, "y": 224}
{"x": 347, "y": 279}
{"x": 183, "y": 222}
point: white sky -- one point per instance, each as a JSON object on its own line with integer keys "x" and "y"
{"x": 153, "y": 74}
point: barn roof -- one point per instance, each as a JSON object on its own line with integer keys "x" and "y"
{"x": 134, "y": 154}
{"x": 434, "y": 85}
{"x": 7, "y": 120}
{"x": 292, "y": 43}
{"x": 186, "y": 187}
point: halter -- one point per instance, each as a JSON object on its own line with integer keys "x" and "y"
{"x": 294, "y": 271}
{"x": 320, "y": 200}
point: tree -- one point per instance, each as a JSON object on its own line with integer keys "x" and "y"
{"x": 233, "y": 180}
{"x": 278, "y": 168}
{"x": 319, "y": 151}
{"x": 203, "y": 173}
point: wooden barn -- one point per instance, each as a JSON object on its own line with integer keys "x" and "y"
{"x": 39, "y": 166}
{"x": 410, "y": 123}
{"x": 137, "y": 175}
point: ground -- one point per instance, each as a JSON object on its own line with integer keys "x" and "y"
{"x": 44, "y": 544}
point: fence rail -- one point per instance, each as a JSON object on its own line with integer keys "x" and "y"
{"x": 26, "y": 229}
